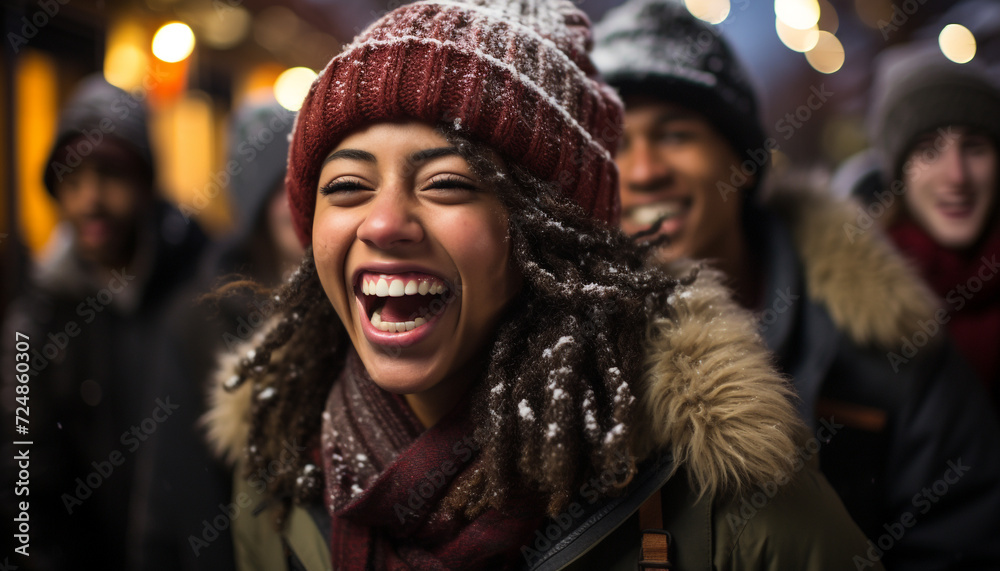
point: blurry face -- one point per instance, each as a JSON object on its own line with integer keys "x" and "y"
{"x": 951, "y": 185}
{"x": 282, "y": 230}
{"x": 413, "y": 252}
{"x": 102, "y": 199}
{"x": 671, "y": 161}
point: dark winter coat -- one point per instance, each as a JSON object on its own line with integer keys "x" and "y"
{"x": 184, "y": 520}
{"x": 713, "y": 416}
{"x": 92, "y": 409}
{"x": 908, "y": 437}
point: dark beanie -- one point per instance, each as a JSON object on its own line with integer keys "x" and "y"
{"x": 916, "y": 91}
{"x": 656, "y": 48}
{"x": 258, "y": 150}
{"x": 514, "y": 75}
{"x": 95, "y": 111}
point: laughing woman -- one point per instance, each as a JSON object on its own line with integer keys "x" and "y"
{"x": 472, "y": 368}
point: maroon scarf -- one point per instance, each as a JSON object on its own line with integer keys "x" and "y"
{"x": 954, "y": 275}
{"x": 386, "y": 477}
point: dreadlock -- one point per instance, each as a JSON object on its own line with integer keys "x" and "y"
{"x": 556, "y": 403}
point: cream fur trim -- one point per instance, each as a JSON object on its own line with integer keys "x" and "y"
{"x": 228, "y": 418}
{"x": 712, "y": 397}
{"x": 871, "y": 292}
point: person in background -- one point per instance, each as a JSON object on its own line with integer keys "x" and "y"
{"x": 472, "y": 360}
{"x": 906, "y": 437}
{"x": 93, "y": 313}
{"x": 178, "y": 519}
{"x": 936, "y": 128}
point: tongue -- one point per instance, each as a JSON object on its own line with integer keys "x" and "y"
{"x": 405, "y": 308}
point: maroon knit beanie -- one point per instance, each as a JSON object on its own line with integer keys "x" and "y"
{"x": 513, "y": 75}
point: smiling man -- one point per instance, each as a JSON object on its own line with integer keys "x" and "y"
{"x": 833, "y": 310}
{"x": 938, "y": 134}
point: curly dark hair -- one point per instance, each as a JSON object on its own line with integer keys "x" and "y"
{"x": 568, "y": 353}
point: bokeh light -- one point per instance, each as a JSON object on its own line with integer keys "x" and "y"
{"x": 711, "y": 11}
{"x": 292, "y": 86}
{"x": 799, "y": 14}
{"x": 828, "y": 18}
{"x": 828, "y": 54}
{"x": 794, "y": 39}
{"x": 173, "y": 42}
{"x": 226, "y": 27}
{"x": 126, "y": 56}
{"x": 957, "y": 43}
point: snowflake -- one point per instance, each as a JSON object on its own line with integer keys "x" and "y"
{"x": 525, "y": 411}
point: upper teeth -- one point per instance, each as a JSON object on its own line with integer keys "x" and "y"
{"x": 386, "y": 286}
{"x": 649, "y": 214}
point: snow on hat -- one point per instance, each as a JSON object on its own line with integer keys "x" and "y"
{"x": 917, "y": 90}
{"x": 97, "y": 110}
{"x": 514, "y": 75}
{"x": 258, "y": 146}
{"x": 656, "y": 48}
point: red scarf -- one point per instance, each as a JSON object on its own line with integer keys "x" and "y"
{"x": 955, "y": 275}
{"x": 386, "y": 477}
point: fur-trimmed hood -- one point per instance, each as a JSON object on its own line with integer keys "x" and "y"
{"x": 870, "y": 291}
{"x": 710, "y": 395}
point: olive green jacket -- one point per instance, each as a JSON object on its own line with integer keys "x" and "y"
{"x": 719, "y": 434}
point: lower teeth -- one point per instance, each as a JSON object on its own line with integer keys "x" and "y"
{"x": 395, "y": 327}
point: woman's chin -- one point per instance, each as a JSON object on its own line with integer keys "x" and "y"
{"x": 401, "y": 380}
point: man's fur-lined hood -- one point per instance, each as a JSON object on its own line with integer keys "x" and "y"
{"x": 710, "y": 396}
{"x": 871, "y": 292}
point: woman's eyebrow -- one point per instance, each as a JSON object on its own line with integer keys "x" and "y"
{"x": 352, "y": 154}
{"x": 429, "y": 154}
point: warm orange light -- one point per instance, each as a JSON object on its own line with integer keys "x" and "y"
{"x": 35, "y": 92}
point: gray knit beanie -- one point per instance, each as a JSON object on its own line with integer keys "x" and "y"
{"x": 917, "y": 91}
{"x": 657, "y": 48}
{"x": 258, "y": 152}
{"x": 95, "y": 111}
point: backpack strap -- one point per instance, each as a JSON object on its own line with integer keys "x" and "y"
{"x": 655, "y": 550}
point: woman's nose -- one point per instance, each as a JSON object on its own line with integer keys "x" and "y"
{"x": 391, "y": 220}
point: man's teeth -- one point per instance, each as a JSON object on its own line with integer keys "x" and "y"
{"x": 649, "y": 214}
{"x": 384, "y": 286}
{"x": 395, "y": 327}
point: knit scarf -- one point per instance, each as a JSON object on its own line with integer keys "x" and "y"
{"x": 386, "y": 478}
{"x": 969, "y": 283}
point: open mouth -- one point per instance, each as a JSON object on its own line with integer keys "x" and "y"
{"x": 397, "y": 303}
{"x": 956, "y": 207}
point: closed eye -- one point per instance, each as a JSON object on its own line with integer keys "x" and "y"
{"x": 342, "y": 186}
{"x": 451, "y": 181}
